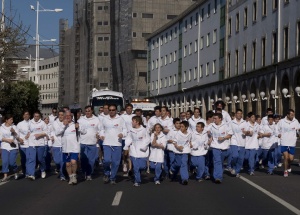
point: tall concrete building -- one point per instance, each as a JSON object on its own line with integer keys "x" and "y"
{"x": 85, "y": 52}
{"x": 132, "y": 21}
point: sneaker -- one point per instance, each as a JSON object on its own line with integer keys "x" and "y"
{"x": 5, "y": 179}
{"x": 270, "y": 173}
{"x": 200, "y": 180}
{"x": 136, "y": 185}
{"x": 207, "y": 177}
{"x": 44, "y": 174}
{"x": 185, "y": 182}
{"x": 71, "y": 180}
{"x": 280, "y": 165}
{"x": 56, "y": 172}
{"x": 218, "y": 181}
{"x": 125, "y": 174}
{"x": 261, "y": 166}
{"x": 16, "y": 176}
{"x": 228, "y": 169}
{"x": 157, "y": 182}
{"x": 31, "y": 177}
{"x": 232, "y": 171}
{"x": 74, "y": 179}
{"x": 238, "y": 175}
{"x": 112, "y": 182}
{"x": 125, "y": 167}
{"x": 286, "y": 174}
{"x": 251, "y": 173}
{"x": 171, "y": 173}
{"x": 289, "y": 170}
{"x": 62, "y": 178}
{"x": 88, "y": 178}
{"x": 105, "y": 179}
{"x": 26, "y": 176}
{"x": 148, "y": 170}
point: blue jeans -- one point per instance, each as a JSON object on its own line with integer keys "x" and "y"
{"x": 218, "y": 158}
{"x": 157, "y": 168}
{"x": 240, "y": 160}
{"x": 268, "y": 157}
{"x": 251, "y": 155}
{"x": 181, "y": 164}
{"x": 41, "y": 152}
{"x": 23, "y": 160}
{"x": 9, "y": 160}
{"x": 88, "y": 158}
{"x": 232, "y": 156}
{"x": 138, "y": 164}
{"x": 199, "y": 162}
{"x": 168, "y": 160}
{"x": 112, "y": 157}
{"x": 58, "y": 159}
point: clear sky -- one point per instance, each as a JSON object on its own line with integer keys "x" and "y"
{"x": 48, "y": 21}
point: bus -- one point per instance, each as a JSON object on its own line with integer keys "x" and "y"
{"x": 102, "y": 97}
{"x": 146, "y": 106}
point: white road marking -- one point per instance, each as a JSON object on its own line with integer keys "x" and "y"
{"x": 2, "y": 183}
{"x": 117, "y": 198}
{"x": 271, "y": 195}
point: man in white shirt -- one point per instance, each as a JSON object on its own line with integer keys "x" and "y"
{"x": 53, "y": 116}
{"x": 154, "y": 119}
{"x": 113, "y": 129}
{"x": 287, "y": 129}
{"x": 88, "y": 141}
{"x": 264, "y": 120}
{"x": 226, "y": 116}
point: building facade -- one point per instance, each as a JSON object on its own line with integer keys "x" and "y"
{"x": 85, "y": 52}
{"x": 132, "y": 21}
{"x": 243, "y": 50}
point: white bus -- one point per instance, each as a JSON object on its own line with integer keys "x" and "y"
{"x": 99, "y": 98}
{"x": 144, "y": 105}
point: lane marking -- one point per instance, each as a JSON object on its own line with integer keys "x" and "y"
{"x": 2, "y": 183}
{"x": 117, "y": 198}
{"x": 271, "y": 195}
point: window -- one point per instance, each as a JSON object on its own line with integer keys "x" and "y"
{"x": 222, "y": 16}
{"x": 184, "y": 76}
{"x": 156, "y": 63}
{"x": 171, "y": 33}
{"x": 222, "y": 47}
{"x": 152, "y": 65}
{"x": 100, "y": 69}
{"x": 157, "y": 42}
{"x": 174, "y": 55}
{"x": 274, "y": 47}
{"x": 195, "y": 72}
{"x": 190, "y": 48}
{"x": 253, "y": 55}
{"x": 184, "y": 51}
{"x": 228, "y": 65}
{"x": 197, "y": 18}
{"x": 171, "y": 16}
{"x": 207, "y": 39}
{"x": 161, "y": 40}
{"x": 166, "y": 38}
{"x": 134, "y": 15}
{"x": 170, "y": 58}
{"x": 105, "y": 7}
{"x": 166, "y": 60}
{"x": 245, "y": 59}
{"x": 229, "y": 26}
{"x": 170, "y": 81}
{"x": 105, "y": 23}
{"x": 175, "y": 79}
{"x": 133, "y": 34}
{"x": 275, "y": 4}
{"x": 201, "y": 42}
{"x": 215, "y": 6}
{"x": 160, "y": 83}
{"x": 196, "y": 45}
{"x": 207, "y": 69}
{"x": 237, "y": 22}
{"x": 185, "y": 25}
{"x": 202, "y": 14}
{"x": 215, "y": 36}
{"x": 106, "y": 38}
{"x": 190, "y": 75}
{"x": 245, "y": 17}
{"x": 236, "y": 63}
{"x": 254, "y": 12}
{"x": 147, "y": 15}
{"x": 175, "y": 32}
{"x": 161, "y": 61}
{"x": 285, "y": 43}
{"x": 99, "y": 54}
{"x": 156, "y": 85}
{"x": 214, "y": 67}
{"x": 166, "y": 79}
{"x": 191, "y": 21}
{"x": 100, "y": 8}
{"x": 105, "y": 54}
{"x": 201, "y": 71}
{"x": 208, "y": 10}
{"x": 152, "y": 85}
{"x": 264, "y": 7}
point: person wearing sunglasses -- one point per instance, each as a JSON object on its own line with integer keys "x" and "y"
{"x": 53, "y": 116}
{"x": 112, "y": 131}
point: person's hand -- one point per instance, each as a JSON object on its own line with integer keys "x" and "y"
{"x": 102, "y": 138}
{"x": 120, "y": 135}
{"x": 77, "y": 125}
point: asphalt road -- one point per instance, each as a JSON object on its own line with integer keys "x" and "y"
{"x": 233, "y": 196}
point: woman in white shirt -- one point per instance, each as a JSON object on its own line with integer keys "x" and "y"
{"x": 158, "y": 145}
{"x": 9, "y": 145}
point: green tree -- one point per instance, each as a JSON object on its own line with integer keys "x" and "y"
{"x": 21, "y": 96}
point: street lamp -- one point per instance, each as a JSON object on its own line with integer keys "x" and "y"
{"x": 285, "y": 93}
{"x": 297, "y": 90}
{"x": 37, "y": 42}
{"x": 262, "y": 95}
{"x": 244, "y": 98}
{"x": 273, "y": 93}
{"x": 227, "y": 100}
{"x": 199, "y": 103}
{"x": 235, "y": 99}
{"x": 252, "y": 95}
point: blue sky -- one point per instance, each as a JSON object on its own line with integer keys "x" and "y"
{"x": 48, "y": 21}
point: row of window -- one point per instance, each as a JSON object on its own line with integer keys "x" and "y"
{"x": 103, "y": 23}
{"x": 164, "y": 38}
{"x": 103, "y": 7}
{"x": 45, "y": 76}
{"x": 151, "y": 15}
{"x": 187, "y": 76}
{"x": 103, "y": 69}
{"x": 47, "y": 66}
{"x": 172, "y": 57}
{"x": 135, "y": 34}
{"x": 49, "y": 96}
{"x": 48, "y": 86}
{"x": 105, "y": 54}
{"x": 103, "y": 38}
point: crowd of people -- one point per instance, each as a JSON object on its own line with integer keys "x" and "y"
{"x": 168, "y": 146}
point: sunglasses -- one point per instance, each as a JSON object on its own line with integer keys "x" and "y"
{"x": 112, "y": 109}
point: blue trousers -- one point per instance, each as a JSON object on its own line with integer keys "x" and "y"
{"x": 138, "y": 164}
{"x": 233, "y": 156}
{"x": 112, "y": 159}
{"x": 251, "y": 155}
{"x": 58, "y": 159}
{"x": 9, "y": 160}
{"x": 168, "y": 160}
{"x": 218, "y": 158}
{"x": 181, "y": 164}
{"x": 199, "y": 163}
{"x": 41, "y": 152}
{"x": 23, "y": 160}
{"x": 48, "y": 157}
{"x": 33, "y": 154}
{"x": 88, "y": 158}
{"x": 240, "y": 160}
{"x": 277, "y": 155}
{"x": 258, "y": 156}
{"x": 208, "y": 162}
{"x": 268, "y": 157}
{"x": 157, "y": 168}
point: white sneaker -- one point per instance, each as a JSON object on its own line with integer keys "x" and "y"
{"x": 157, "y": 182}
{"x": 44, "y": 174}
{"x": 16, "y": 176}
{"x": 125, "y": 167}
{"x": 232, "y": 171}
{"x": 75, "y": 179}
{"x": 279, "y": 164}
{"x": 88, "y": 178}
{"x": 71, "y": 180}
{"x": 136, "y": 184}
{"x": 289, "y": 170}
{"x": 31, "y": 177}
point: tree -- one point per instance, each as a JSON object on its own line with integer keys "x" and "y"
{"x": 21, "y": 96}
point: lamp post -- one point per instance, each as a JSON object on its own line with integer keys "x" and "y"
{"x": 275, "y": 97}
{"x": 37, "y": 39}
